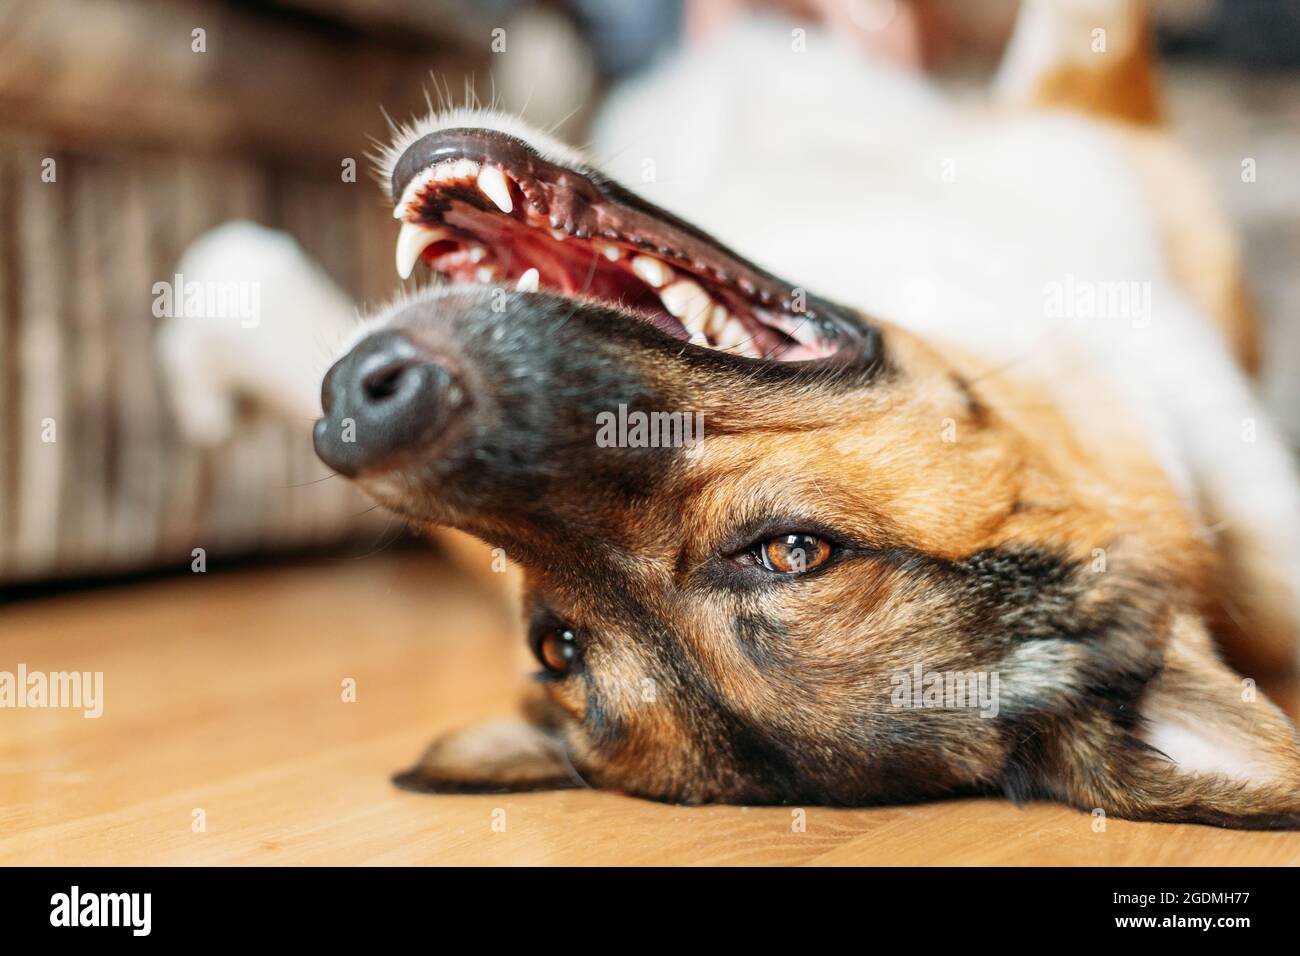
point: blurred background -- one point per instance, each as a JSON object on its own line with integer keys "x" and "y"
{"x": 129, "y": 128}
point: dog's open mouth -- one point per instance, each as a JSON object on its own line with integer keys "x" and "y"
{"x": 482, "y": 206}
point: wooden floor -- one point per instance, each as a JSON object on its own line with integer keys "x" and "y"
{"x": 223, "y": 694}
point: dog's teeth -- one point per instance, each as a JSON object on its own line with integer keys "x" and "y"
{"x": 688, "y": 302}
{"x": 448, "y": 169}
{"x": 607, "y": 249}
{"x": 528, "y": 281}
{"x": 412, "y": 189}
{"x": 652, "y": 271}
{"x": 411, "y": 241}
{"x": 485, "y": 273}
{"x": 455, "y": 169}
{"x": 559, "y": 234}
{"x": 492, "y": 183}
{"x": 731, "y": 334}
{"x": 476, "y": 254}
{"x": 716, "y": 321}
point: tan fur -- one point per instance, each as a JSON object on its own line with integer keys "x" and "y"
{"x": 1122, "y": 86}
{"x": 935, "y": 465}
{"x": 879, "y": 467}
{"x": 930, "y": 465}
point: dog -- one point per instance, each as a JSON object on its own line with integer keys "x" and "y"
{"x": 981, "y": 494}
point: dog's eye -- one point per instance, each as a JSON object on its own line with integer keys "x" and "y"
{"x": 555, "y": 648}
{"x": 792, "y": 553}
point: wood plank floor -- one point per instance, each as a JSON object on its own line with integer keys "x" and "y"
{"x": 223, "y": 694}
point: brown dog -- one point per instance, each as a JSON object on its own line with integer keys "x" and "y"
{"x": 891, "y": 569}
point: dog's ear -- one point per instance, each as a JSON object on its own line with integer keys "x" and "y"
{"x": 1204, "y": 746}
{"x": 500, "y": 756}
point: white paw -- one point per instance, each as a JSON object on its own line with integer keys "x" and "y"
{"x": 246, "y": 316}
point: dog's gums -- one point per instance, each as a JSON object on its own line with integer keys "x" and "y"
{"x": 484, "y": 207}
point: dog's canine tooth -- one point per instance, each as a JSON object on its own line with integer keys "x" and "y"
{"x": 412, "y": 240}
{"x": 731, "y": 334}
{"x": 528, "y": 282}
{"x": 716, "y": 321}
{"x": 492, "y": 183}
{"x": 688, "y": 302}
{"x": 559, "y": 235}
{"x": 607, "y": 249}
{"x": 652, "y": 271}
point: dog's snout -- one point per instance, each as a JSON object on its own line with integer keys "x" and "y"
{"x": 386, "y": 397}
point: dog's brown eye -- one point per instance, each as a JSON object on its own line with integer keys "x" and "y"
{"x": 793, "y": 553}
{"x": 556, "y": 649}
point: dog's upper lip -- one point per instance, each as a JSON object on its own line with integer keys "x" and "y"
{"x": 582, "y": 203}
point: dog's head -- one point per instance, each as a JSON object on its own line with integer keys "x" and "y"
{"x": 776, "y": 552}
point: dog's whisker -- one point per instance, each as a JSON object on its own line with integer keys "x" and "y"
{"x": 381, "y": 545}
{"x": 314, "y": 481}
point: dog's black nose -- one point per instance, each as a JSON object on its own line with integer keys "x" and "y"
{"x": 384, "y": 398}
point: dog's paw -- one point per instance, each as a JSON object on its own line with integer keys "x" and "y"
{"x": 247, "y": 316}
{"x": 501, "y": 756}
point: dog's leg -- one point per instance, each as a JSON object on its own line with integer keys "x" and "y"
{"x": 268, "y": 341}
{"x": 1090, "y": 56}
{"x": 1096, "y": 57}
